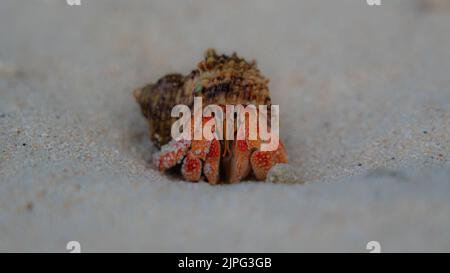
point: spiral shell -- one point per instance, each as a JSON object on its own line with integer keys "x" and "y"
{"x": 218, "y": 79}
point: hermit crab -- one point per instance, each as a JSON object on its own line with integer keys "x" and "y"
{"x": 218, "y": 80}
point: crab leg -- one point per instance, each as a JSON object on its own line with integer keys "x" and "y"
{"x": 212, "y": 163}
{"x": 239, "y": 164}
{"x": 262, "y": 162}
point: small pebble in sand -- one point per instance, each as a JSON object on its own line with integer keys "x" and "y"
{"x": 29, "y": 206}
{"x": 284, "y": 174}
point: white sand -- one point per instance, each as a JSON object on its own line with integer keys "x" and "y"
{"x": 364, "y": 94}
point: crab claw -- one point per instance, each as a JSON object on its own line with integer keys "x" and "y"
{"x": 192, "y": 164}
{"x": 171, "y": 154}
{"x": 200, "y": 148}
{"x": 192, "y": 167}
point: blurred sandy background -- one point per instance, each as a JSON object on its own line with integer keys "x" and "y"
{"x": 364, "y": 94}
